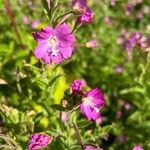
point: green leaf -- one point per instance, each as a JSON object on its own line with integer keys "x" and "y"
{"x": 83, "y": 123}
{"x": 46, "y": 8}
{"x": 54, "y": 79}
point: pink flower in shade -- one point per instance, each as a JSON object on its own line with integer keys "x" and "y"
{"x": 91, "y": 44}
{"x": 122, "y": 139}
{"x": 92, "y": 148}
{"x": 64, "y": 116}
{"x": 91, "y": 103}
{"x": 127, "y": 106}
{"x": 39, "y": 141}
{"x": 26, "y": 20}
{"x": 128, "y": 9}
{"x": 136, "y": 147}
{"x": 119, "y": 69}
{"x": 108, "y": 20}
{"x": 118, "y": 114}
{"x": 77, "y": 85}
{"x": 86, "y": 16}
{"x": 54, "y": 45}
{"x": 35, "y": 24}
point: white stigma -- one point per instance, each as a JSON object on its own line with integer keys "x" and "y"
{"x": 53, "y": 43}
{"x": 88, "y": 101}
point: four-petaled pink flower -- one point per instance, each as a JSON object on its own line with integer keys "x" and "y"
{"x": 92, "y": 103}
{"x": 91, "y": 44}
{"x": 54, "y": 45}
{"x": 39, "y": 141}
{"x": 77, "y": 85}
{"x": 136, "y": 147}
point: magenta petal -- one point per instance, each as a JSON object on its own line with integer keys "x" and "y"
{"x": 62, "y": 30}
{"x": 64, "y": 35}
{"x": 41, "y": 50}
{"x": 66, "y": 52}
{"x": 98, "y": 98}
{"x": 57, "y": 59}
{"x": 46, "y": 58}
{"x": 44, "y": 34}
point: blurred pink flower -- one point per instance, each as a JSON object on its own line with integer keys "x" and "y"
{"x": 127, "y": 106}
{"x": 108, "y": 20}
{"x": 136, "y": 147}
{"x": 144, "y": 43}
{"x": 132, "y": 41}
{"x": 112, "y": 2}
{"x": 39, "y": 141}
{"x": 128, "y": 9}
{"x": 91, "y": 103}
{"x": 54, "y": 45}
{"x": 122, "y": 138}
{"x": 26, "y": 20}
{"x": 64, "y": 116}
{"x": 91, "y": 44}
{"x": 118, "y": 114}
{"x": 119, "y": 69}
{"x": 77, "y": 85}
{"x": 35, "y": 24}
{"x": 92, "y": 148}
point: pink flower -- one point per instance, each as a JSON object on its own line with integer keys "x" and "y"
{"x": 64, "y": 116}
{"x": 77, "y": 85}
{"x": 86, "y": 16}
{"x": 128, "y": 9}
{"x": 136, "y": 147}
{"x": 54, "y": 45}
{"x": 79, "y": 4}
{"x": 35, "y": 24}
{"x": 119, "y": 69}
{"x": 122, "y": 139}
{"x": 127, "y": 106}
{"x": 39, "y": 141}
{"x": 91, "y": 103}
{"x": 92, "y": 148}
{"x": 91, "y": 44}
{"x": 113, "y": 2}
{"x": 26, "y": 20}
{"x": 118, "y": 114}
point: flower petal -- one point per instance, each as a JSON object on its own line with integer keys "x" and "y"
{"x": 44, "y": 34}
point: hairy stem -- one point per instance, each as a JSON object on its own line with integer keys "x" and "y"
{"x": 78, "y": 135}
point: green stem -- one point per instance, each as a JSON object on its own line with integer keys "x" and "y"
{"x": 62, "y": 16}
{"x": 78, "y": 135}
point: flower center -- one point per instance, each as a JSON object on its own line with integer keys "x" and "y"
{"x": 53, "y": 44}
